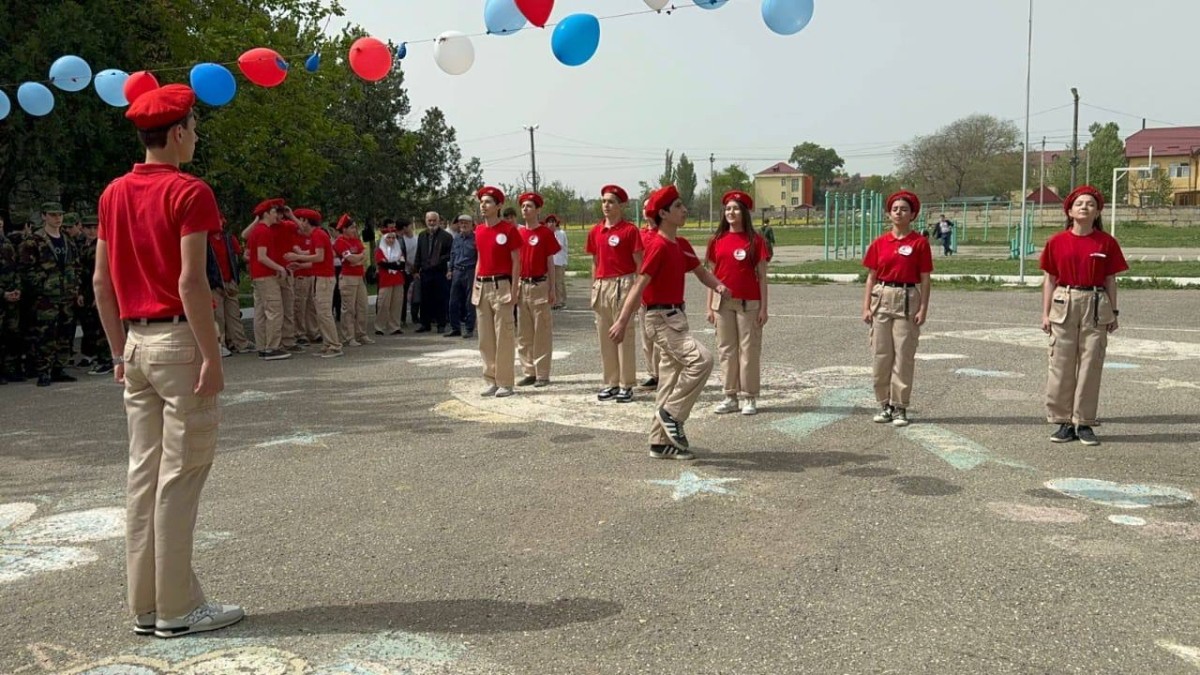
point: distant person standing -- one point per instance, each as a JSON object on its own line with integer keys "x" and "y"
{"x": 353, "y": 254}
{"x": 945, "y": 232}
{"x": 616, "y": 249}
{"x": 322, "y": 258}
{"x": 560, "y": 262}
{"x": 768, "y": 233}
{"x": 266, "y": 274}
{"x": 463, "y": 257}
{"x": 389, "y": 260}
{"x": 496, "y": 293}
{"x": 151, "y": 276}
{"x": 535, "y": 322}
{"x": 1079, "y": 310}
{"x": 432, "y": 263}
{"x": 895, "y": 306}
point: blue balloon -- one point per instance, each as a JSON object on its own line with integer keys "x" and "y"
{"x": 502, "y": 17}
{"x": 35, "y": 99}
{"x": 5, "y": 105}
{"x": 70, "y": 73}
{"x": 402, "y": 51}
{"x": 213, "y": 83}
{"x": 313, "y": 62}
{"x": 110, "y": 86}
{"x": 575, "y": 39}
{"x": 710, "y": 4}
{"x": 787, "y": 17}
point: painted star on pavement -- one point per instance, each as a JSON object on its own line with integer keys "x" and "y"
{"x": 1168, "y": 383}
{"x": 689, "y": 484}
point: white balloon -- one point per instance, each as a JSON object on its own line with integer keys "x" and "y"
{"x": 656, "y": 5}
{"x": 454, "y": 52}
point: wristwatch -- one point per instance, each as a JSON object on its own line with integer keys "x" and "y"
{"x": 118, "y": 360}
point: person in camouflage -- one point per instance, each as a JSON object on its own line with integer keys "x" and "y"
{"x": 10, "y": 314}
{"x": 50, "y": 271}
{"x": 94, "y": 345}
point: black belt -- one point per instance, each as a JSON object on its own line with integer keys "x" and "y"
{"x": 162, "y": 319}
{"x": 896, "y": 284}
{"x": 534, "y": 280}
{"x": 652, "y": 308}
{"x": 1069, "y": 287}
{"x": 496, "y": 277}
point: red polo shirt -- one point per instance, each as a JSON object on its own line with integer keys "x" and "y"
{"x": 305, "y": 244}
{"x": 1083, "y": 261}
{"x": 345, "y": 245}
{"x": 496, "y": 245}
{"x": 900, "y": 261}
{"x": 286, "y": 236}
{"x": 320, "y": 241}
{"x": 260, "y": 237}
{"x": 667, "y": 263}
{"x": 734, "y": 265}
{"x": 143, "y": 216}
{"x": 613, "y": 248}
{"x": 538, "y": 244}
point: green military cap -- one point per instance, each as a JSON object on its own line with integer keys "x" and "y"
{"x": 70, "y": 218}
{"x": 52, "y": 207}
{"x": 91, "y": 220}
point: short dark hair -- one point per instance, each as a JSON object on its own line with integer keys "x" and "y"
{"x": 389, "y": 221}
{"x": 155, "y": 139}
{"x": 508, "y": 212}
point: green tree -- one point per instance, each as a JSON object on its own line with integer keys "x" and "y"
{"x": 820, "y": 163}
{"x": 668, "y": 174}
{"x": 973, "y": 156}
{"x": 732, "y": 177}
{"x": 685, "y": 180}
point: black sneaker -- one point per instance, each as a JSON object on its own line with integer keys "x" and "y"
{"x": 526, "y": 381}
{"x": 101, "y": 368}
{"x": 303, "y": 342}
{"x": 669, "y": 452}
{"x": 624, "y": 395}
{"x": 423, "y": 329}
{"x": 60, "y": 376}
{"x": 295, "y": 349}
{"x": 454, "y": 333}
{"x": 673, "y": 429}
{"x": 469, "y": 335}
{"x": 649, "y": 383}
{"x": 1065, "y": 434}
{"x": 44, "y": 380}
{"x": 607, "y": 394}
{"x": 1086, "y": 436}
{"x": 541, "y": 383}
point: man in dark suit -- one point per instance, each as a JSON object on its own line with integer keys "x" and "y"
{"x": 432, "y": 263}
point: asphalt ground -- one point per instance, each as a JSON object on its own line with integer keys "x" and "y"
{"x": 374, "y": 515}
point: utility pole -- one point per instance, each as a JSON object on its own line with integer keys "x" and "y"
{"x": 532, "y": 158}
{"x": 1075, "y": 140}
{"x": 1025, "y": 151}
{"x": 1042, "y": 185}
{"x": 712, "y": 186}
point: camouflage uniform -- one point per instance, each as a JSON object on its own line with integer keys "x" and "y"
{"x": 10, "y": 313}
{"x": 51, "y": 281}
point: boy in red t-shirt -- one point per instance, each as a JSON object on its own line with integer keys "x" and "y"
{"x": 151, "y": 274}
{"x": 353, "y": 254}
{"x": 267, "y": 272}
{"x": 318, "y": 312}
{"x": 616, "y": 249}
{"x": 495, "y": 294}
{"x": 535, "y": 324}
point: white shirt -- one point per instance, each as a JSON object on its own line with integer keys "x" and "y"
{"x": 560, "y": 258}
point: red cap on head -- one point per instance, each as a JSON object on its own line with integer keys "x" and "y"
{"x": 646, "y": 210}
{"x": 662, "y": 199}
{"x": 1079, "y": 192}
{"x": 344, "y": 222}
{"x": 265, "y": 205}
{"x": 308, "y": 214}
{"x": 531, "y": 197}
{"x": 617, "y": 191}
{"x": 745, "y": 199}
{"x": 390, "y": 229}
{"x": 552, "y": 218}
{"x": 162, "y": 107}
{"x": 913, "y": 201}
{"x": 495, "y": 193}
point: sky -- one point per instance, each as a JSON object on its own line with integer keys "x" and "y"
{"x": 864, "y": 77}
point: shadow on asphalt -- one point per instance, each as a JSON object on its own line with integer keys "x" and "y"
{"x": 428, "y": 616}
{"x": 784, "y": 460}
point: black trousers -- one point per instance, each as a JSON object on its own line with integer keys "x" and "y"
{"x": 435, "y": 297}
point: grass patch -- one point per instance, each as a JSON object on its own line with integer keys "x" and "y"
{"x": 989, "y": 268}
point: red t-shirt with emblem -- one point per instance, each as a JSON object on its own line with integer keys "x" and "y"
{"x": 143, "y": 217}
{"x": 387, "y": 278}
{"x": 538, "y": 244}
{"x": 320, "y": 241}
{"x": 899, "y": 261}
{"x": 667, "y": 264}
{"x": 1083, "y": 261}
{"x": 305, "y": 243}
{"x": 285, "y": 236}
{"x": 217, "y": 241}
{"x": 260, "y": 237}
{"x": 613, "y": 247}
{"x": 345, "y": 245}
{"x": 495, "y": 245}
{"x": 734, "y": 265}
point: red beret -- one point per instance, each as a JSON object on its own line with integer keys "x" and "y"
{"x": 617, "y": 191}
{"x": 310, "y": 215}
{"x": 551, "y": 217}
{"x": 488, "y": 191}
{"x": 740, "y": 196}
{"x": 913, "y": 201}
{"x": 646, "y": 210}
{"x": 266, "y": 205}
{"x": 1079, "y": 192}
{"x": 344, "y": 222}
{"x": 531, "y": 197}
{"x": 162, "y": 107}
{"x": 389, "y": 230}
{"x": 662, "y": 199}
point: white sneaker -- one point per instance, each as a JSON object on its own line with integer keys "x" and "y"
{"x": 225, "y": 351}
{"x": 490, "y": 391}
{"x": 144, "y": 624}
{"x": 899, "y": 417}
{"x": 504, "y": 392}
{"x": 730, "y": 404}
{"x": 750, "y": 407}
{"x": 353, "y": 343}
{"x": 206, "y": 617}
{"x": 884, "y": 416}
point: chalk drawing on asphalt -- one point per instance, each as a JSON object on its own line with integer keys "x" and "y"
{"x": 1122, "y": 519}
{"x": 1167, "y": 383}
{"x": 1189, "y": 655}
{"x": 1121, "y": 495}
{"x": 1118, "y": 345}
{"x": 30, "y": 546}
{"x": 976, "y": 372}
{"x": 1027, "y": 513}
{"x": 690, "y": 484}
{"x": 300, "y": 438}
{"x": 939, "y": 357}
{"x": 463, "y": 358}
{"x": 1117, "y": 365}
{"x": 958, "y": 451}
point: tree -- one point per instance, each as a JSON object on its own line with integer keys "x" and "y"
{"x": 974, "y": 156}
{"x": 820, "y": 163}
{"x": 1152, "y": 189}
{"x": 732, "y": 177}
{"x": 685, "y": 180}
{"x": 668, "y": 174}
{"x": 884, "y": 185}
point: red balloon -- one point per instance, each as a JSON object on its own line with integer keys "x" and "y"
{"x": 141, "y": 82}
{"x": 537, "y": 11}
{"x": 370, "y": 59}
{"x": 264, "y": 67}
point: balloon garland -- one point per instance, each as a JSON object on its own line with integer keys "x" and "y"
{"x": 573, "y": 42}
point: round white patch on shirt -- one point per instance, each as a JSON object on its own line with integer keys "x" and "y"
{"x": 502, "y": 239}
{"x": 614, "y": 240}
{"x": 739, "y": 254}
{"x": 905, "y": 250}
{"x": 533, "y": 241}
